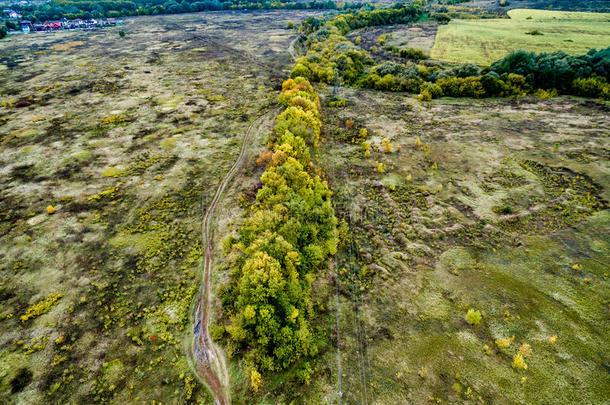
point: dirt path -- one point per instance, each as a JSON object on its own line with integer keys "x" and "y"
{"x": 209, "y": 359}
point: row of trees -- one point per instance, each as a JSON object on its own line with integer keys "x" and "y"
{"x": 56, "y": 9}
{"x": 288, "y": 235}
{"x": 331, "y": 56}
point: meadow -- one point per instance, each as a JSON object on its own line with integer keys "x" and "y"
{"x": 472, "y": 262}
{"x": 483, "y": 41}
{"x": 495, "y": 207}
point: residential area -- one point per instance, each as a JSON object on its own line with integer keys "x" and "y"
{"x": 17, "y": 25}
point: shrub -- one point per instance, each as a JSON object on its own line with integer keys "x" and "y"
{"x": 382, "y": 39}
{"x": 492, "y": 85}
{"x": 545, "y": 94}
{"x": 256, "y": 380}
{"x": 304, "y": 124}
{"x": 337, "y": 102}
{"x": 441, "y": 18}
{"x": 300, "y": 70}
{"x": 386, "y": 145}
{"x": 466, "y": 70}
{"x": 396, "y": 69}
{"x": 122, "y": 34}
{"x": 425, "y": 95}
{"x": 504, "y": 343}
{"x": 519, "y": 362}
{"x": 462, "y": 87}
{"x": 534, "y": 32}
{"x": 590, "y": 87}
{"x": 433, "y": 89}
{"x": 41, "y": 307}
{"x": 387, "y": 82}
{"x": 473, "y": 317}
{"x": 264, "y": 158}
{"x": 290, "y": 25}
{"x": 412, "y": 53}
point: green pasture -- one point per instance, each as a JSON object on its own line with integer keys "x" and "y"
{"x": 484, "y": 41}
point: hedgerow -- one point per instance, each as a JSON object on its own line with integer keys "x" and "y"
{"x": 288, "y": 235}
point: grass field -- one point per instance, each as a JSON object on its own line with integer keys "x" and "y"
{"x": 494, "y": 205}
{"x": 124, "y": 138}
{"x": 483, "y": 41}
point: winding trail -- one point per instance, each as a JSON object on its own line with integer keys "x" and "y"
{"x": 209, "y": 359}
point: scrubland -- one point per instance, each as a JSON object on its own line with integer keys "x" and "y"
{"x": 498, "y": 208}
{"x": 124, "y": 140}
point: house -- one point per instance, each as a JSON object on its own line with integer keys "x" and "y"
{"x": 111, "y": 21}
{"x": 38, "y": 27}
{"x": 13, "y": 14}
{"x": 26, "y": 26}
{"x": 55, "y": 25}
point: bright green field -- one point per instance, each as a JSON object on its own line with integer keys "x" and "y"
{"x": 484, "y": 41}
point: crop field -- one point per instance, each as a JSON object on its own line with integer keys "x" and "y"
{"x": 109, "y": 148}
{"x": 496, "y": 206}
{"x": 484, "y": 41}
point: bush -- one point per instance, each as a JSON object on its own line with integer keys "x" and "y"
{"x": 290, "y": 25}
{"x": 591, "y": 87}
{"x": 466, "y": 70}
{"x": 122, "y": 34}
{"x": 519, "y": 362}
{"x": 462, "y": 87}
{"x": 516, "y": 85}
{"x": 433, "y": 89}
{"x": 425, "y": 95}
{"x": 300, "y": 70}
{"x": 441, "y": 18}
{"x": 301, "y": 123}
{"x": 545, "y": 94}
{"x": 336, "y": 102}
{"x": 492, "y": 85}
{"x": 473, "y": 317}
{"x": 396, "y": 69}
{"x": 412, "y": 53}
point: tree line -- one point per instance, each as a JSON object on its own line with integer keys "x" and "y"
{"x": 285, "y": 241}
{"x": 332, "y": 57}
{"x": 86, "y": 9}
